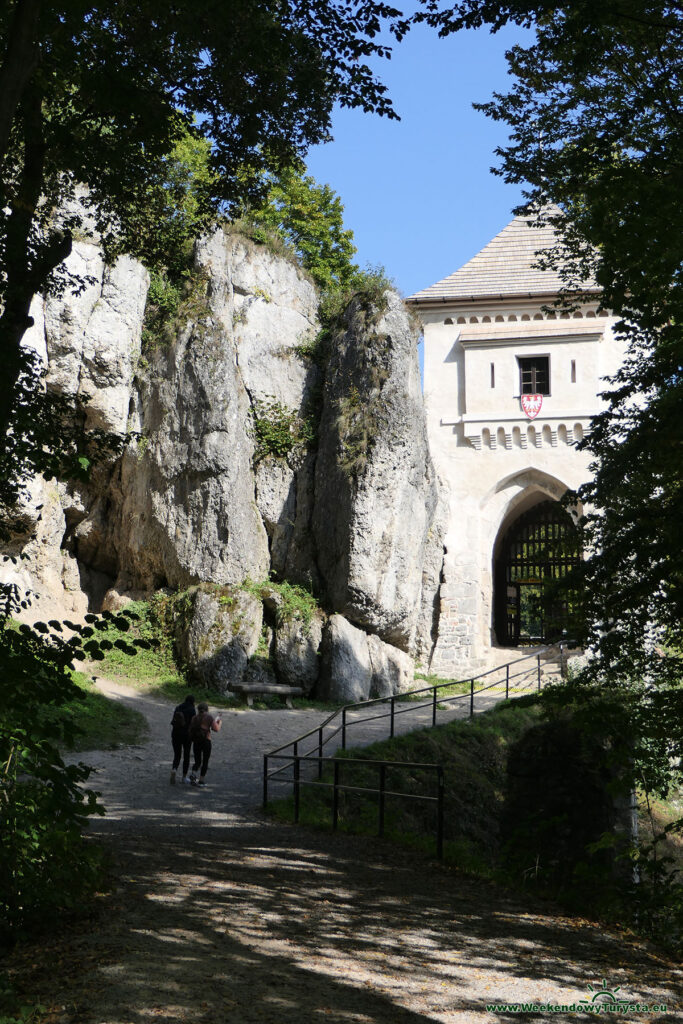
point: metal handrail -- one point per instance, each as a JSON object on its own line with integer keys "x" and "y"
{"x": 343, "y": 711}
{"x": 336, "y": 786}
{"x": 295, "y": 758}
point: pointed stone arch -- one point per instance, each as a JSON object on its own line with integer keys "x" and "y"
{"x": 513, "y": 487}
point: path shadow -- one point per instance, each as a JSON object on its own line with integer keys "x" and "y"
{"x": 276, "y": 924}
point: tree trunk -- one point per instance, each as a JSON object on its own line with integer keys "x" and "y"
{"x": 29, "y": 260}
{"x": 21, "y": 60}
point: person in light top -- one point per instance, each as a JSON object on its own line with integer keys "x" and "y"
{"x": 201, "y": 727}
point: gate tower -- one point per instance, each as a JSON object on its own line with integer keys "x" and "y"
{"x": 511, "y": 382}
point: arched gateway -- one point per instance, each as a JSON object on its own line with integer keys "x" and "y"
{"x": 533, "y": 554}
{"x": 511, "y": 383}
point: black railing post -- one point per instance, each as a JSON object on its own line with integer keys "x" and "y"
{"x": 538, "y": 669}
{"x": 507, "y": 681}
{"x": 382, "y": 786}
{"x": 335, "y": 797}
{"x": 320, "y": 753}
{"x": 297, "y": 766}
{"x": 343, "y": 728}
{"x": 439, "y": 813}
{"x": 563, "y": 666}
{"x": 434, "y": 708}
{"x": 471, "y": 698}
{"x": 265, "y": 781}
{"x": 391, "y": 726}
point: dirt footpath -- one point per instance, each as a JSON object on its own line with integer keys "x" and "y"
{"x": 222, "y": 917}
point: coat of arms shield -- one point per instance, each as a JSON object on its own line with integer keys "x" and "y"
{"x": 531, "y": 404}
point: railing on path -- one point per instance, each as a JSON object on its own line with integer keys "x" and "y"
{"x": 513, "y": 679}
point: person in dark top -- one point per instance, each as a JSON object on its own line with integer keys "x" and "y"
{"x": 180, "y": 736}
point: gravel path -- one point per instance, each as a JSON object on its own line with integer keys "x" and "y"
{"x": 134, "y": 780}
{"x": 222, "y": 917}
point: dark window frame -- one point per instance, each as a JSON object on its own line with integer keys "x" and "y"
{"x": 532, "y": 386}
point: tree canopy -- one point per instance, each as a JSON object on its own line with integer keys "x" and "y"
{"x": 595, "y": 118}
{"x": 98, "y": 95}
{"x": 309, "y": 217}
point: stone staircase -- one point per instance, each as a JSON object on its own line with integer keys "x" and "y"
{"x": 551, "y": 670}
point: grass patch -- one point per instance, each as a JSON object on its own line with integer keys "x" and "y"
{"x": 103, "y": 724}
{"x": 474, "y": 754}
{"x": 155, "y": 670}
{"x": 147, "y": 669}
{"x": 447, "y": 687}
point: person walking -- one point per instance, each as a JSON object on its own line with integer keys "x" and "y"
{"x": 201, "y": 727}
{"x": 180, "y": 736}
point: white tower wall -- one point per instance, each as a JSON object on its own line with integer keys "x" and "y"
{"x": 490, "y": 329}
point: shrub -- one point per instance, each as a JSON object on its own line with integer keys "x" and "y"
{"x": 279, "y": 431}
{"x": 171, "y": 303}
{"x": 307, "y": 219}
{"x": 46, "y": 865}
{"x": 295, "y": 601}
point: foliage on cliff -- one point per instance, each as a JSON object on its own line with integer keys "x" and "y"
{"x": 280, "y": 432}
{"x": 297, "y": 219}
{"x": 309, "y": 218}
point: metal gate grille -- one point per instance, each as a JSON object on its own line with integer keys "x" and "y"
{"x": 540, "y": 548}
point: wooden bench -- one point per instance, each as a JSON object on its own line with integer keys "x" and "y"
{"x": 251, "y": 690}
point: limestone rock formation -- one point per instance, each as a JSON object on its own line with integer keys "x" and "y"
{"x": 192, "y": 508}
{"x": 427, "y": 631}
{"x": 270, "y": 307}
{"x": 200, "y": 498}
{"x": 53, "y": 579}
{"x": 188, "y": 510}
{"x": 356, "y": 666}
{"x": 345, "y": 670}
{"x": 92, "y": 338}
{"x": 297, "y": 648}
{"x": 216, "y": 632}
{"x": 393, "y": 671}
{"x": 375, "y": 486}
{"x": 90, "y": 343}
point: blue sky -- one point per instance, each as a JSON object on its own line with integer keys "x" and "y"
{"x": 418, "y": 194}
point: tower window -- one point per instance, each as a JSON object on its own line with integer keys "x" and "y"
{"x": 493, "y": 375}
{"x": 534, "y": 375}
{"x": 573, "y": 371}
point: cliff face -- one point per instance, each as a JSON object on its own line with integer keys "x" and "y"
{"x": 251, "y": 457}
{"x": 90, "y": 342}
{"x": 375, "y": 487}
{"x": 189, "y": 507}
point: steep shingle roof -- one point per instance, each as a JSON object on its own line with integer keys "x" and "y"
{"x": 504, "y": 267}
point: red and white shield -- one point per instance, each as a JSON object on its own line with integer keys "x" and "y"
{"x": 531, "y": 404}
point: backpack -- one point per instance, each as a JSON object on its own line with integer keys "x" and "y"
{"x": 200, "y": 726}
{"x": 178, "y": 721}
